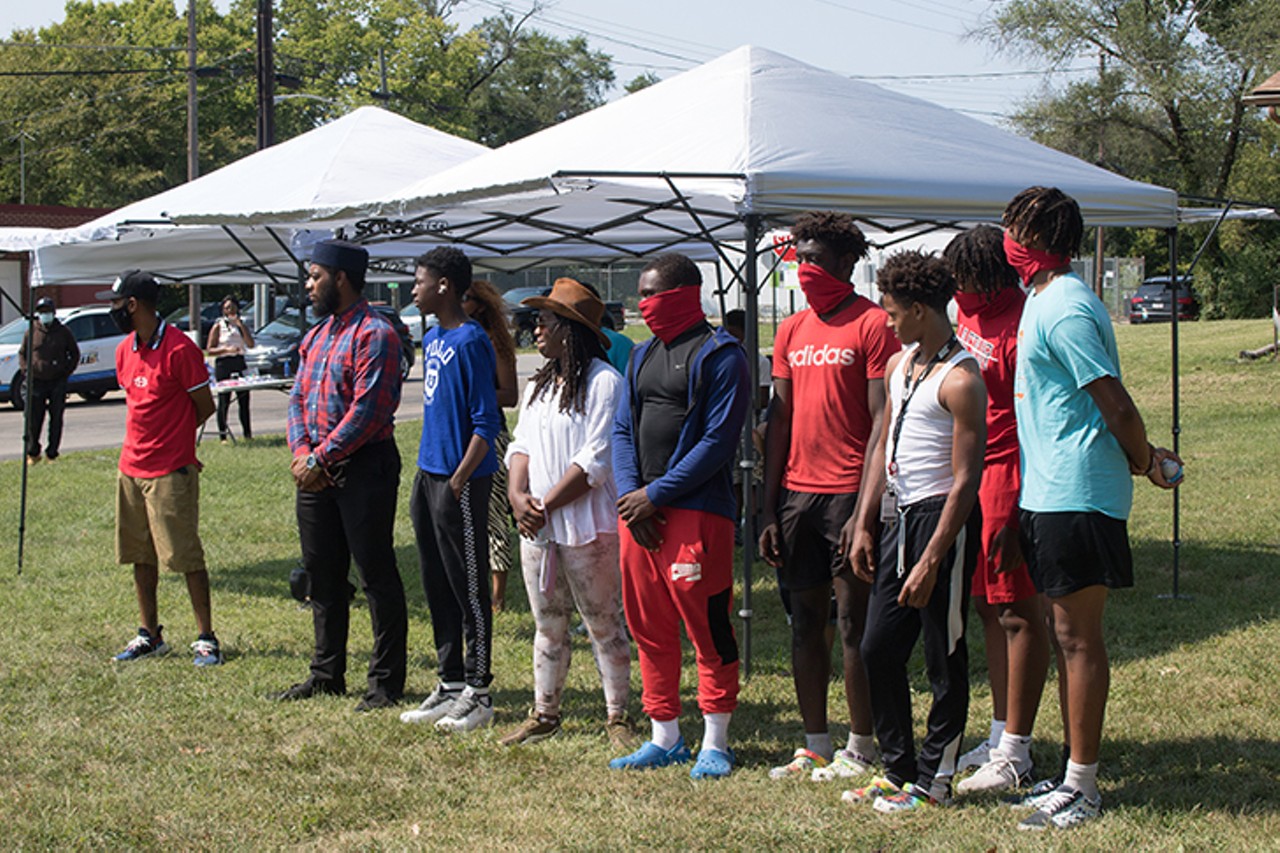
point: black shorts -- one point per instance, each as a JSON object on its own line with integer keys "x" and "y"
{"x": 1068, "y": 551}
{"x": 810, "y": 531}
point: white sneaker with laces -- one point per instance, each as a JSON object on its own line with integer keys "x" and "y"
{"x": 998, "y": 774}
{"x": 434, "y": 707}
{"x": 470, "y": 711}
{"x": 975, "y": 757}
{"x": 1065, "y": 808}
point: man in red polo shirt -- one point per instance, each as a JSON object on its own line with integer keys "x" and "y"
{"x": 166, "y": 386}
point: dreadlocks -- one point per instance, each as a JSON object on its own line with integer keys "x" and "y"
{"x": 581, "y": 345}
{"x": 977, "y": 258}
{"x": 1047, "y": 217}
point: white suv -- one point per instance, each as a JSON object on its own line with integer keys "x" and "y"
{"x": 96, "y": 334}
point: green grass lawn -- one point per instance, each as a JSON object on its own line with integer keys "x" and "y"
{"x": 157, "y": 755}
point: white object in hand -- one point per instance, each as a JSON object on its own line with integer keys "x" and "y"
{"x": 1171, "y": 470}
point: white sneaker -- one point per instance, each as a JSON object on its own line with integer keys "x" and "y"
{"x": 1065, "y": 808}
{"x": 433, "y": 707}
{"x": 470, "y": 711}
{"x": 975, "y": 757}
{"x": 845, "y": 764}
{"x": 998, "y": 774}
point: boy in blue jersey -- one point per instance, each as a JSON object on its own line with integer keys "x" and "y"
{"x": 450, "y": 499}
{"x": 1082, "y": 440}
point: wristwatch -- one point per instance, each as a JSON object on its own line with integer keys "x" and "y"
{"x": 311, "y": 461}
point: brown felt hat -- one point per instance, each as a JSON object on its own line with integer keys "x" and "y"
{"x": 573, "y": 301}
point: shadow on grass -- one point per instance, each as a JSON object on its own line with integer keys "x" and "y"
{"x": 1207, "y": 773}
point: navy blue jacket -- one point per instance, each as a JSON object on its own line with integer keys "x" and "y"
{"x": 700, "y": 473}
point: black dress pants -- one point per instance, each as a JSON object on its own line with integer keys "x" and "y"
{"x": 890, "y": 637}
{"x": 453, "y": 557}
{"x": 224, "y": 367}
{"x": 356, "y": 520}
{"x": 47, "y": 396}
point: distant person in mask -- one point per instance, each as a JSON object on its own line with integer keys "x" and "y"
{"x": 229, "y": 339}
{"x": 52, "y": 360}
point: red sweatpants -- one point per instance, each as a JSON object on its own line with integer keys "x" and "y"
{"x": 689, "y": 579}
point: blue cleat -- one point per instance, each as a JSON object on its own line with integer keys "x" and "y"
{"x": 650, "y": 756}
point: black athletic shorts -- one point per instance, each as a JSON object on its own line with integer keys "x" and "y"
{"x": 1068, "y": 551}
{"x": 810, "y": 530}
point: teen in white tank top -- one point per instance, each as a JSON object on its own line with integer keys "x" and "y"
{"x": 923, "y": 460}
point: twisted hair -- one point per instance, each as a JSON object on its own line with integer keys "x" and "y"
{"x": 976, "y": 258}
{"x": 493, "y": 317}
{"x": 1047, "y": 216}
{"x": 581, "y": 345}
{"x": 837, "y": 231}
{"x": 913, "y": 276}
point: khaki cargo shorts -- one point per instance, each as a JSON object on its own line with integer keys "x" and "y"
{"x": 158, "y": 521}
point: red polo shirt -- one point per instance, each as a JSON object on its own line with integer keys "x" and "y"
{"x": 157, "y": 379}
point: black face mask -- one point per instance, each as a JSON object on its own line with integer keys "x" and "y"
{"x": 123, "y": 319}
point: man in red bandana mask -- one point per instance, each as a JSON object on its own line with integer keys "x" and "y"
{"x": 677, "y": 426}
{"x": 828, "y": 361}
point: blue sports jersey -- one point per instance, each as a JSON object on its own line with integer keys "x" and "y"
{"x": 459, "y": 398}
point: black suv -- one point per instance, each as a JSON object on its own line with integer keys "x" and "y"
{"x": 523, "y": 317}
{"x": 1153, "y": 301}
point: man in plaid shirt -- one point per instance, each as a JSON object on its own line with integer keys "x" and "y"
{"x": 347, "y": 470}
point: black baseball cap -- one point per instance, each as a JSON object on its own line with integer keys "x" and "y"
{"x": 136, "y": 283}
{"x": 45, "y": 302}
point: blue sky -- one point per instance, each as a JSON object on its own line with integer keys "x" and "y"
{"x": 919, "y": 47}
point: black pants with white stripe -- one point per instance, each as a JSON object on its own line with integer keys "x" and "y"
{"x": 891, "y": 635}
{"x": 453, "y": 557}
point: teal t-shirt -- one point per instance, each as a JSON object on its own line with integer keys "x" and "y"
{"x": 1071, "y": 462}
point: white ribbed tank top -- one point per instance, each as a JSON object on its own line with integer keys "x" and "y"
{"x": 924, "y": 454}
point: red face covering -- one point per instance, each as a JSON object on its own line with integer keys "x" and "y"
{"x": 823, "y": 290}
{"x": 977, "y": 304}
{"x": 1028, "y": 261}
{"x": 672, "y": 312}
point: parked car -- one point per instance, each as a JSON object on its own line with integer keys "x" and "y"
{"x": 209, "y": 314}
{"x": 1153, "y": 301}
{"x": 275, "y": 350}
{"x": 417, "y": 324}
{"x": 96, "y": 334}
{"x": 523, "y": 317}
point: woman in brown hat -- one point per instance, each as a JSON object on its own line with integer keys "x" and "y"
{"x": 563, "y": 496}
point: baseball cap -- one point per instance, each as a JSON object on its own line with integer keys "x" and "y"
{"x": 45, "y": 302}
{"x": 136, "y": 283}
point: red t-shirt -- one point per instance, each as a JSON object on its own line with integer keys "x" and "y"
{"x": 157, "y": 379}
{"x": 989, "y": 330}
{"x": 830, "y": 364}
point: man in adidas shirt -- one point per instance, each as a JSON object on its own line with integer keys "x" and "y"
{"x": 828, "y": 362}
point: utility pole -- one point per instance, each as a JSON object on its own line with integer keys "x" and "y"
{"x": 266, "y": 76}
{"x": 22, "y": 167}
{"x": 193, "y": 158}
{"x": 1099, "y": 248}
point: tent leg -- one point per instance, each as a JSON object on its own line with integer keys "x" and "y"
{"x": 752, "y": 344}
{"x": 26, "y": 420}
{"x": 1172, "y": 234}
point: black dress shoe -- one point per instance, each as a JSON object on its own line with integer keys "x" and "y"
{"x": 375, "y": 701}
{"x": 309, "y": 688}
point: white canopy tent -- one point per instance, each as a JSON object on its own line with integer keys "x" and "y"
{"x": 719, "y": 155}
{"x": 368, "y": 152}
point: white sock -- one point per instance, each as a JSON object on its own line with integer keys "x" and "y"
{"x": 821, "y": 744}
{"x": 1018, "y": 749}
{"x": 1083, "y": 777}
{"x": 666, "y": 733}
{"x": 997, "y": 729}
{"x": 715, "y": 731}
{"x": 862, "y": 745}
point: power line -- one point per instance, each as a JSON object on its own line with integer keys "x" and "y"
{"x": 94, "y": 47}
{"x": 835, "y": 5}
{"x": 977, "y": 75}
{"x": 94, "y": 73}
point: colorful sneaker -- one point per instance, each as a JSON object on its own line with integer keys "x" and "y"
{"x": 650, "y": 755}
{"x": 879, "y": 787}
{"x": 975, "y": 757}
{"x": 713, "y": 764}
{"x": 998, "y": 774}
{"x": 537, "y": 727}
{"x": 805, "y": 762}
{"x": 207, "y": 650}
{"x": 845, "y": 764}
{"x": 1065, "y": 808}
{"x": 434, "y": 707}
{"x": 1036, "y": 795}
{"x": 145, "y": 646}
{"x": 470, "y": 711}
{"x": 621, "y": 732}
{"x": 910, "y": 797}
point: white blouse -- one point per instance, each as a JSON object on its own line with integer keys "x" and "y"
{"x": 553, "y": 440}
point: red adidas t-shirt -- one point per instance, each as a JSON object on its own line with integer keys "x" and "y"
{"x": 830, "y": 364}
{"x": 989, "y": 330}
{"x": 157, "y": 379}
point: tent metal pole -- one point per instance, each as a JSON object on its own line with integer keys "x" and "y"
{"x": 1177, "y": 424}
{"x": 26, "y": 418}
{"x": 752, "y": 344}
{"x": 257, "y": 262}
